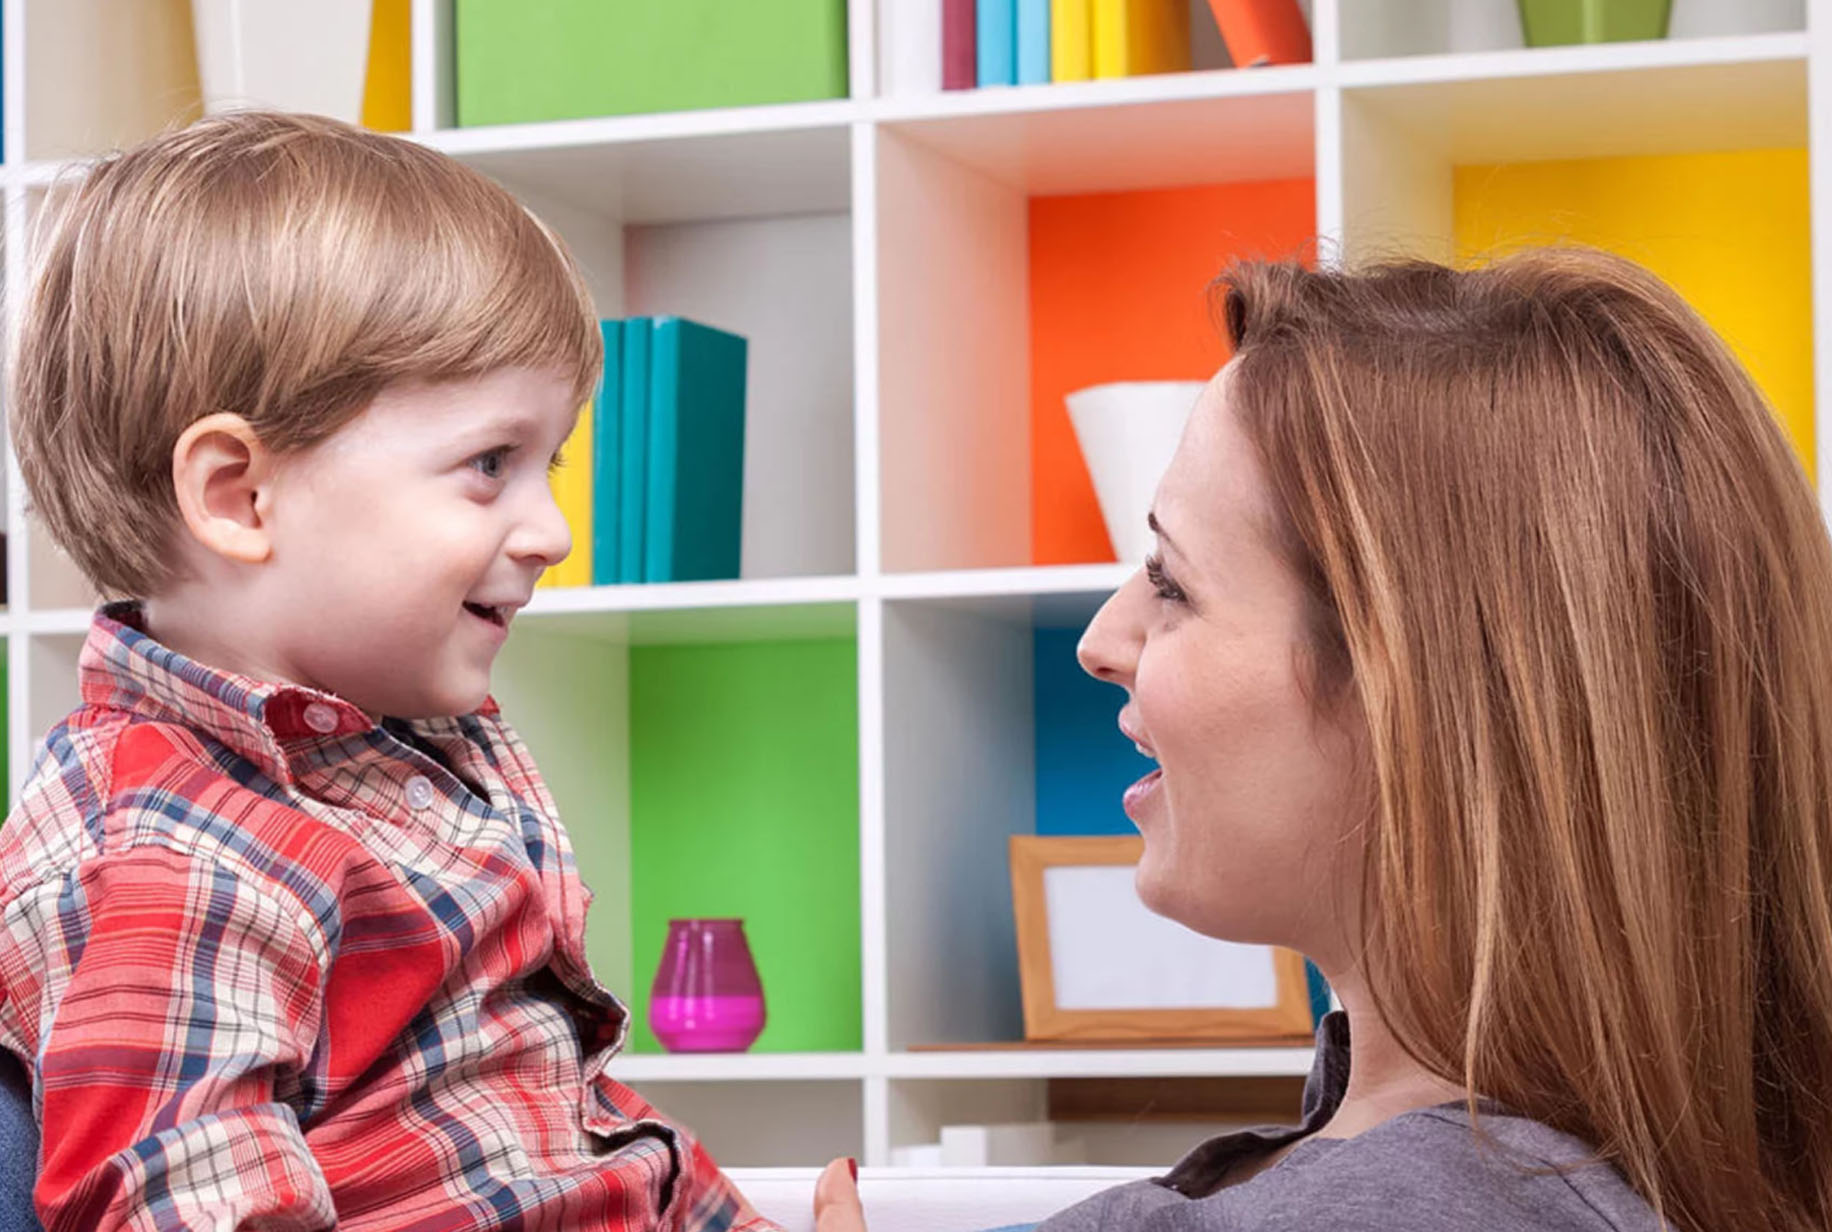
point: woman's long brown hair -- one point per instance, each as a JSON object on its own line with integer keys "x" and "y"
{"x": 1567, "y": 564}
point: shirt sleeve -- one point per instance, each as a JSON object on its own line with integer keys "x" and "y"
{"x": 174, "y": 1002}
{"x": 704, "y": 1198}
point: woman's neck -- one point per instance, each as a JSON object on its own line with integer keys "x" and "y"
{"x": 1383, "y": 1080}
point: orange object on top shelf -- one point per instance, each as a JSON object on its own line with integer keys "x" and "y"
{"x": 1262, "y": 31}
{"x": 1119, "y": 292}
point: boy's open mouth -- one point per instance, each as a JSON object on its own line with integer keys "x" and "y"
{"x": 495, "y": 615}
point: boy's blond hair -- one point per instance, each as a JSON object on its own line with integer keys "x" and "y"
{"x": 282, "y": 267}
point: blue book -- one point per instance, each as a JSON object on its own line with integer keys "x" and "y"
{"x": 607, "y": 457}
{"x": 1033, "y": 42}
{"x": 996, "y": 38}
{"x": 633, "y": 497}
{"x": 696, "y": 453}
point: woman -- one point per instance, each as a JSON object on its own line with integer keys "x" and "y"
{"x": 1487, "y": 658}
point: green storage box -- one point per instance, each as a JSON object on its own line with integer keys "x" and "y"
{"x": 1552, "y": 23}
{"x": 564, "y": 59}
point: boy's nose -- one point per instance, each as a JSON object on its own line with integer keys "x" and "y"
{"x": 543, "y": 536}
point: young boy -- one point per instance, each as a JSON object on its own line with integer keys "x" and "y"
{"x": 292, "y": 936}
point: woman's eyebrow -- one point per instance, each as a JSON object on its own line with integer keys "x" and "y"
{"x": 1157, "y": 527}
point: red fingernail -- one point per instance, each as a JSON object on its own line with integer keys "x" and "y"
{"x": 852, "y": 1166}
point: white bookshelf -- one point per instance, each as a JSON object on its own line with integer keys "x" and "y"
{"x": 897, "y": 510}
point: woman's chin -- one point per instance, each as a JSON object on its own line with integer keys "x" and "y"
{"x": 1205, "y": 909}
{"x": 1155, "y": 887}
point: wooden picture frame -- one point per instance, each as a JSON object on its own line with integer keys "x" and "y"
{"x": 1279, "y": 1014}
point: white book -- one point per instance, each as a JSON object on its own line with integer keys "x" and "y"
{"x": 909, "y": 46}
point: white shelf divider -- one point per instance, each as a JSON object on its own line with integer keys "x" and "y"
{"x": 1098, "y": 1063}
{"x": 741, "y": 1067}
{"x": 1819, "y": 158}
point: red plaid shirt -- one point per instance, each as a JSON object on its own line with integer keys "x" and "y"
{"x": 272, "y": 964}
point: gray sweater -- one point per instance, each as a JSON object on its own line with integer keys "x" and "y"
{"x": 1422, "y": 1171}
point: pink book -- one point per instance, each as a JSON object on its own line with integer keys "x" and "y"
{"x": 960, "y": 69}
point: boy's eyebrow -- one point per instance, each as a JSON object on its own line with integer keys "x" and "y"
{"x": 517, "y": 424}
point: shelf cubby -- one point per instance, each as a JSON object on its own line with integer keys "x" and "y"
{"x": 743, "y": 1126}
{"x": 991, "y": 730}
{"x": 105, "y": 74}
{"x": 1698, "y": 171}
{"x": 689, "y": 791}
{"x": 921, "y": 1107}
{"x": 1372, "y": 29}
{"x": 748, "y": 233}
{"x": 1041, "y": 251}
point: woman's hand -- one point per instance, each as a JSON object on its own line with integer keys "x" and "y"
{"x": 836, "y": 1199}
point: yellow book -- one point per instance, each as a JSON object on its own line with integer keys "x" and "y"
{"x": 388, "y": 80}
{"x": 1136, "y": 37}
{"x": 572, "y": 489}
{"x": 1071, "y": 40}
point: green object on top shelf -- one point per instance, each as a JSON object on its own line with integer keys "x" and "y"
{"x": 744, "y": 801}
{"x": 565, "y": 59}
{"x": 1551, "y": 23}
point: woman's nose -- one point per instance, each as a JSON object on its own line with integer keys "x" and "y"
{"x": 1109, "y": 649}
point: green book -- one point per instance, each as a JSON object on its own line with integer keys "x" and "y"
{"x": 564, "y": 59}
{"x": 632, "y": 485}
{"x": 696, "y": 453}
{"x": 607, "y": 458}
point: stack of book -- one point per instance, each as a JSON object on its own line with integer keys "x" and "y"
{"x": 653, "y": 477}
{"x": 963, "y": 44}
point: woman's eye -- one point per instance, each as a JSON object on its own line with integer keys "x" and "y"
{"x": 1161, "y": 582}
{"x": 490, "y": 464}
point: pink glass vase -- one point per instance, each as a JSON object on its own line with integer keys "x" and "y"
{"x": 706, "y": 996}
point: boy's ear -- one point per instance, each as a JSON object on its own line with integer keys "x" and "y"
{"x": 221, "y": 472}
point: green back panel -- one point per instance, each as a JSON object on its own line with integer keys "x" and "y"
{"x": 744, "y": 801}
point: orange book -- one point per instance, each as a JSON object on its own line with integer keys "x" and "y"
{"x": 1263, "y": 31}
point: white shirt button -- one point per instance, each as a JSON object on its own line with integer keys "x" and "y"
{"x": 321, "y": 718}
{"x": 419, "y": 792}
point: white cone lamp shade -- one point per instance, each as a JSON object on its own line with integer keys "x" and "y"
{"x": 1128, "y": 432}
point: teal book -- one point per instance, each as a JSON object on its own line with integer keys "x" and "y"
{"x": 607, "y": 458}
{"x": 696, "y": 453}
{"x": 1033, "y": 42}
{"x": 632, "y": 498}
{"x": 996, "y": 42}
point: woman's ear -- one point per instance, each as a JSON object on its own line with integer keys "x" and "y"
{"x": 223, "y": 475}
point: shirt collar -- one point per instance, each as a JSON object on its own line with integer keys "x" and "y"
{"x": 1329, "y": 1070}
{"x": 124, "y": 668}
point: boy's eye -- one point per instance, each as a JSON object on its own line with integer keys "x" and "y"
{"x": 490, "y": 463}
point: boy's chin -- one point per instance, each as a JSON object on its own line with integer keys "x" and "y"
{"x": 436, "y": 703}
